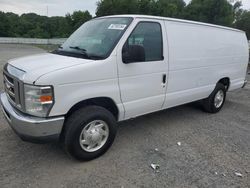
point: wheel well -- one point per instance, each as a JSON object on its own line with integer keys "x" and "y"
{"x": 225, "y": 82}
{"x": 104, "y": 102}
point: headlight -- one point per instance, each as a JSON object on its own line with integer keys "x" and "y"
{"x": 38, "y": 100}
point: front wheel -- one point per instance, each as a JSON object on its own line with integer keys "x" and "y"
{"x": 89, "y": 132}
{"x": 215, "y": 101}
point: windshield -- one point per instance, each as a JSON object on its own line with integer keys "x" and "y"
{"x": 95, "y": 39}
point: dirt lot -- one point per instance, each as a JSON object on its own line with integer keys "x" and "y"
{"x": 212, "y": 149}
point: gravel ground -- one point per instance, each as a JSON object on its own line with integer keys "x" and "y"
{"x": 212, "y": 148}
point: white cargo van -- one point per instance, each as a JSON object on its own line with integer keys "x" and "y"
{"x": 116, "y": 68}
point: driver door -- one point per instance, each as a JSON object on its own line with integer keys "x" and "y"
{"x": 143, "y": 76}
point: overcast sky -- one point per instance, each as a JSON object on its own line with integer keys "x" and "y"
{"x": 58, "y": 7}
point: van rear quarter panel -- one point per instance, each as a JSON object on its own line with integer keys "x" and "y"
{"x": 199, "y": 56}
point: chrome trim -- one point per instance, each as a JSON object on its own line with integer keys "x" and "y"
{"x": 6, "y": 79}
{"x": 5, "y": 114}
{"x": 21, "y": 94}
{"x": 29, "y": 125}
{"x": 17, "y": 93}
{"x": 9, "y": 87}
{"x": 245, "y": 83}
{"x": 10, "y": 93}
{"x": 16, "y": 97}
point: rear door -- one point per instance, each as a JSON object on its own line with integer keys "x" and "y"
{"x": 143, "y": 83}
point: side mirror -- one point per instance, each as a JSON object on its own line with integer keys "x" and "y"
{"x": 133, "y": 53}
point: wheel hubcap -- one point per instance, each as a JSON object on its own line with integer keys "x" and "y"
{"x": 219, "y": 98}
{"x": 94, "y": 136}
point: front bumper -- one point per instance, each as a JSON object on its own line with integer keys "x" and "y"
{"x": 30, "y": 128}
{"x": 245, "y": 83}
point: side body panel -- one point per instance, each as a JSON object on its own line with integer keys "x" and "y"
{"x": 199, "y": 56}
{"x": 196, "y": 57}
{"x": 141, "y": 84}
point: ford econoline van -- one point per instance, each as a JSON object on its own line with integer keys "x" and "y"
{"x": 119, "y": 67}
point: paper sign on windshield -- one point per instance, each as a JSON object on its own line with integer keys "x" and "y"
{"x": 117, "y": 26}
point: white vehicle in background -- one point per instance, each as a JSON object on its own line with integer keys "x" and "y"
{"x": 116, "y": 68}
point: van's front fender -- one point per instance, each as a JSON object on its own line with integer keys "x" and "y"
{"x": 83, "y": 82}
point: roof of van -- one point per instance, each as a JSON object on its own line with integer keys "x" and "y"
{"x": 174, "y": 20}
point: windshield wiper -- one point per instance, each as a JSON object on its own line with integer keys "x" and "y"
{"x": 78, "y": 48}
{"x": 83, "y": 51}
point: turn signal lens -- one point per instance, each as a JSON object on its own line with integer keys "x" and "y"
{"x": 46, "y": 98}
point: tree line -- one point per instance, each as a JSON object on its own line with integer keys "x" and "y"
{"x": 32, "y": 25}
{"x": 220, "y": 12}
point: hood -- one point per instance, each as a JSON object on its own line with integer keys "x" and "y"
{"x": 41, "y": 64}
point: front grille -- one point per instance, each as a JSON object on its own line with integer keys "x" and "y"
{"x": 9, "y": 87}
{"x": 12, "y": 87}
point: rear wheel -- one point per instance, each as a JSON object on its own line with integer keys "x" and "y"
{"x": 89, "y": 132}
{"x": 216, "y": 99}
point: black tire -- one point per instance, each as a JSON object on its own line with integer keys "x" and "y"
{"x": 209, "y": 104}
{"x": 76, "y": 123}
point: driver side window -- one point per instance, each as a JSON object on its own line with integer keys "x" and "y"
{"x": 144, "y": 43}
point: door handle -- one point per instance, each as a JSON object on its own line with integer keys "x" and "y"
{"x": 164, "y": 78}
